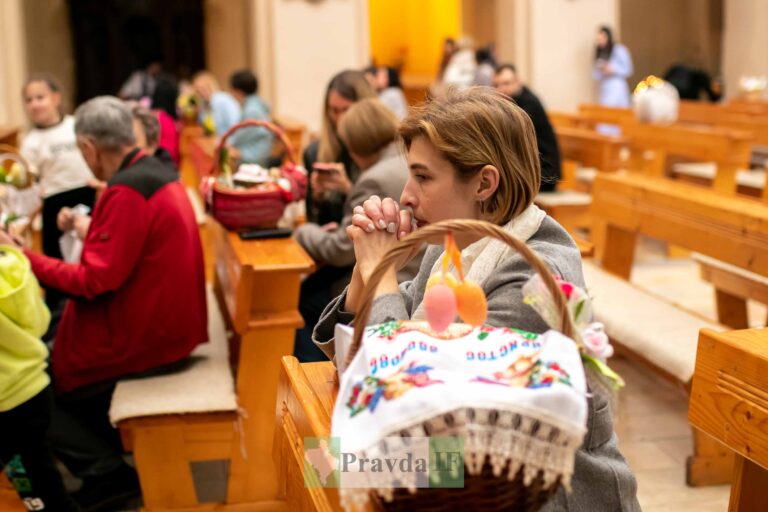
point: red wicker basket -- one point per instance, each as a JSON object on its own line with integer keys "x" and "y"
{"x": 262, "y": 206}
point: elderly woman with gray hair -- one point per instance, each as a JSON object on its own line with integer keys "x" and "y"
{"x": 120, "y": 323}
{"x": 146, "y": 129}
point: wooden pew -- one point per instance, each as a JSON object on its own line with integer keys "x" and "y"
{"x": 305, "y": 397}
{"x": 730, "y": 403}
{"x": 592, "y": 151}
{"x": 731, "y": 229}
{"x": 262, "y": 327}
{"x": 747, "y": 106}
{"x": 696, "y": 112}
{"x": 598, "y": 114}
{"x": 729, "y": 150}
{"x": 733, "y": 288}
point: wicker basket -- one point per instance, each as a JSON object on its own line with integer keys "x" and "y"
{"x": 482, "y": 491}
{"x": 262, "y": 206}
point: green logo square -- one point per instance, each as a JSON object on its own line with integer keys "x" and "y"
{"x": 321, "y": 462}
{"x": 446, "y": 462}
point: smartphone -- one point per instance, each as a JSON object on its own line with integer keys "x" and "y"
{"x": 326, "y": 169}
{"x": 259, "y": 234}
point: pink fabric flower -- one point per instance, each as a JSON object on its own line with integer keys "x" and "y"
{"x": 596, "y": 341}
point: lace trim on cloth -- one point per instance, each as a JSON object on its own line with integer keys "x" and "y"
{"x": 509, "y": 441}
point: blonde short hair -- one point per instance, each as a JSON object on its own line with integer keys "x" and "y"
{"x": 367, "y": 127}
{"x": 476, "y": 127}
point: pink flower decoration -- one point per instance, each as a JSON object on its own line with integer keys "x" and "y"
{"x": 596, "y": 341}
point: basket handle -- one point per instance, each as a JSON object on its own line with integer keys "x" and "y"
{"x": 406, "y": 247}
{"x": 247, "y": 124}
{"x": 14, "y": 152}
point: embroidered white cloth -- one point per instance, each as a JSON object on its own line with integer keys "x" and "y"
{"x": 481, "y": 258}
{"x": 515, "y": 397}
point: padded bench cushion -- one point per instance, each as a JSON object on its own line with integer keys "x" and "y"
{"x": 707, "y": 170}
{"x": 197, "y": 205}
{"x": 563, "y": 198}
{"x": 206, "y": 386}
{"x": 586, "y": 174}
{"x": 649, "y": 326}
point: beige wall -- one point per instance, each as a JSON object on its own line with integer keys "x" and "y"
{"x": 49, "y": 44}
{"x": 226, "y": 37}
{"x": 12, "y": 62}
{"x": 562, "y": 35}
{"x": 478, "y": 20}
{"x": 745, "y": 41}
{"x": 311, "y": 42}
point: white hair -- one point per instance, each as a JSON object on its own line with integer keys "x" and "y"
{"x": 107, "y": 120}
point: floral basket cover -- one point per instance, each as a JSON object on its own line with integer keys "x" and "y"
{"x": 515, "y": 397}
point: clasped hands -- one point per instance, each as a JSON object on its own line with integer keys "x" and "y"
{"x": 376, "y": 226}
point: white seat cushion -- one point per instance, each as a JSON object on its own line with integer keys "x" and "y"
{"x": 660, "y": 332}
{"x": 586, "y": 174}
{"x": 707, "y": 170}
{"x": 206, "y": 386}
{"x": 197, "y": 206}
{"x": 563, "y": 198}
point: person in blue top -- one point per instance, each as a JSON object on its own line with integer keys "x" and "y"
{"x": 612, "y": 67}
{"x": 253, "y": 144}
{"x": 220, "y": 111}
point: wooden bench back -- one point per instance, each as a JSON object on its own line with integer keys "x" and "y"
{"x": 609, "y": 115}
{"x": 730, "y": 229}
{"x": 589, "y": 148}
{"x": 697, "y": 112}
{"x": 730, "y": 150}
{"x": 759, "y": 108}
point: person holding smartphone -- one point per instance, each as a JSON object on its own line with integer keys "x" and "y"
{"x": 368, "y": 130}
{"x": 325, "y": 197}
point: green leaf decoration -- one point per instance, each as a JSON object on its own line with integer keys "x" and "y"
{"x": 615, "y": 379}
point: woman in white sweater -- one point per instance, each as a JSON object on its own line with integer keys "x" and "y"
{"x": 51, "y": 148}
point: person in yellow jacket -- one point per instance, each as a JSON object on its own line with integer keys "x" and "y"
{"x": 26, "y": 398}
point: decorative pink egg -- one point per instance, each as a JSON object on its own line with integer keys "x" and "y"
{"x": 440, "y": 307}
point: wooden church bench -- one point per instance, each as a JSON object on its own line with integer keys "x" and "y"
{"x": 305, "y": 397}
{"x": 731, "y": 229}
{"x": 748, "y": 182}
{"x": 733, "y": 287}
{"x": 728, "y": 402}
{"x": 171, "y": 421}
{"x": 569, "y": 207}
{"x": 649, "y": 328}
{"x": 260, "y": 330}
{"x": 729, "y": 150}
{"x": 596, "y": 114}
{"x": 586, "y": 149}
{"x": 696, "y": 112}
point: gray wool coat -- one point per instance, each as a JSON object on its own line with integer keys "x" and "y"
{"x": 602, "y": 480}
